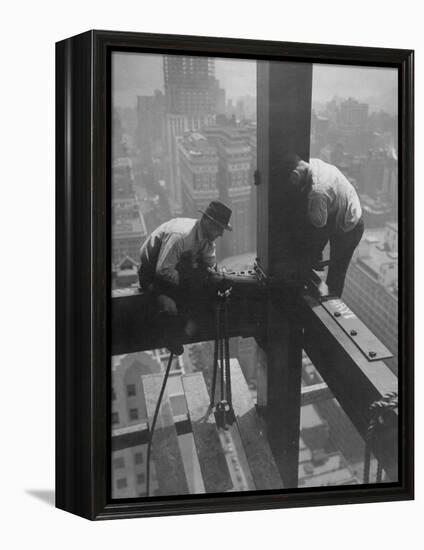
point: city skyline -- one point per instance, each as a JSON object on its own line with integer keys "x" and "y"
{"x": 135, "y": 74}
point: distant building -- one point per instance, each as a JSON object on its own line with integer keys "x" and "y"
{"x": 218, "y": 164}
{"x": 346, "y": 123}
{"x": 319, "y": 133}
{"x": 128, "y": 234}
{"x": 376, "y": 213}
{"x": 193, "y": 98}
{"x": 150, "y": 126}
{"x": 371, "y": 288}
{"x": 129, "y": 412}
{"x": 125, "y": 273}
{"x": 190, "y": 84}
{"x": 117, "y": 144}
{"x": 128, "y": 226}
{"x": 233, "y": 146}
{"x": 353, "y": 113}
{"x": 198, "y": 166}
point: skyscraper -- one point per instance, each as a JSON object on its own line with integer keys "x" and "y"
{"x": 198, "y": 168}
{"x": 235, "y": 181}
{"x": 150, "y": 126}
{"x": 193, "y": 98}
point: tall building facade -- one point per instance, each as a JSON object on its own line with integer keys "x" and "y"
{"x": 193, "y": 98}
{"x": 190, "y": 84}
{"x": 150, "y": 126}
{"x": 371, "y": 288}
{"x": 198, "y": 168}
{"x": 218, "y": 164}
{"x": 128, "y": 227}
{"x": 235, "y": 182}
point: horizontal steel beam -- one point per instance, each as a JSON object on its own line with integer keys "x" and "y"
{"x": 133, "y": 326}
{"x": 354, "y": 380}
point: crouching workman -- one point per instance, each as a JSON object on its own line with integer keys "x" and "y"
{"x": 333, "y": 214}
{"x": 173, "y": 260}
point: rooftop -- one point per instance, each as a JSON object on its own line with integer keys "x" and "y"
{"x": 128, "y": 226}
{"x": 196, "y": 144}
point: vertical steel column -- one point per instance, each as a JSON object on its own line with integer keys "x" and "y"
{"x": 284, "y": 116}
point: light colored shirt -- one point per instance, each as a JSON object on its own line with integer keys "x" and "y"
{"x": 332, "y": 196}
{"x": 163, "y": 249}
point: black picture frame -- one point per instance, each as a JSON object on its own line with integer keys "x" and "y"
{"x": 82, "y": 273}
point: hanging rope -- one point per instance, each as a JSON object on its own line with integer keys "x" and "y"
{"x": 155, "y": 417}
{"x": 216, "y": 351}
{"x": 378, "y": 413}
{"x": 221, "y": 364}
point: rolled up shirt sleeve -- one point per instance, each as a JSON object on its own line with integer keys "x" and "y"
{"x": 169, "y": 256}
{"x": 317, "y": 209}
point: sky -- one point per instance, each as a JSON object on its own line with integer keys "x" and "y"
{"x": 140, "y": 74}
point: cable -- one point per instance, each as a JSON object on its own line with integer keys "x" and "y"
{"x": 226, "y": 343}
{"x": 155, "y": 417}
{"x": 215, "y": 355}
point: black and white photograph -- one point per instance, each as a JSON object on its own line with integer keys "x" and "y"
{"x": 254, "y": 275}
{"x": 211, "y": 234}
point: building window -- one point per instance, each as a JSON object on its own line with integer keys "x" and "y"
{"x": 121, "y": 483}
{"x": 131, "y": 390}
{"x": 141, "y": 479}
{"x": 113, "y": 395}
{"x": 133, "y": 414}
{"x": 115, "y": 418}
{"x": 138, "y": 458}
{"x": 119, "y": 462}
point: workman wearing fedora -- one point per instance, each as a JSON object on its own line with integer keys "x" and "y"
{"x": 172, "y": 260}
{"x": 333, "y": 214}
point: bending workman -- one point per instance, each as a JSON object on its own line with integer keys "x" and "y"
{"x": 333, "y": 214}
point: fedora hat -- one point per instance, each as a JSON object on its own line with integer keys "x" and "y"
{"x": 219, "y": 214}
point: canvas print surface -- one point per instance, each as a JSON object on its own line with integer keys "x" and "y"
{"x": 263, "y": 320}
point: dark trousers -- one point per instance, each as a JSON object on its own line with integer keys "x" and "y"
{"x": 342, "y": 247}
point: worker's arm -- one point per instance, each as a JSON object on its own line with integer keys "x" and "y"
{"x": 207, "y": 257}
{"x": 169, "y": 256}
{"x": 317, "y": 209}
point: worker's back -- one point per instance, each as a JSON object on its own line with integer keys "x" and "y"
{"x": 332, "y": 191}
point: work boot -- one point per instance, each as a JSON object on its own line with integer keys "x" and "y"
{"x": 174, "y": 347}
